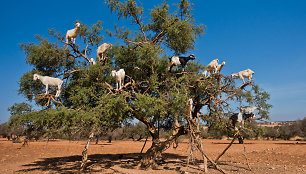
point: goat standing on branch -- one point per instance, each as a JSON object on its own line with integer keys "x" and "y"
{"x": 119, "y": 76}
{"x": 102, "y": 49}
{"x": 246, "y": 113}
{"x": 248, "y": 109}
{"x": 50, "y": 81}
{"x": 211, "y": 68}
{"x": 73, "y": 33}
{"x": 180, "y": 61}
{"x": 92, "y": 61}
{"x": 240, "y": 118}
{"x": 244, "y": 74}
{"x": 220, "y": 66}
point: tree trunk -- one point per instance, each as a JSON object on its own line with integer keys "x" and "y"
{"x": 84, "y": 153}
{"x": 240, "y": 139}
{"x": 110, "y": 139}
{"x": 149, "y": 159}
{"x": 97, "y": 139}
{"x": 157, "y": 147}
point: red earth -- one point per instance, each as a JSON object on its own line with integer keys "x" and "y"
{"x": 61, "y": 156}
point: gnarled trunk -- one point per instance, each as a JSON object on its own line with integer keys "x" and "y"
{"x": 152, "y": 153}
{"x": 84, "y": 153}
{"x": 157, "y": 147}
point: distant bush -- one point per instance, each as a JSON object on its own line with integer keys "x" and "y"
{"x": 4, "y": 130}
{"x": 253, "y": 131}
{"x": 287, "y": 131}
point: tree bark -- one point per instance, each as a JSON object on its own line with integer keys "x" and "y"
{"x": 240, "y": 139}
{"x": 157, "y": 147}
{"x": 84, "y": 153}
{"x": 97, "y": 139}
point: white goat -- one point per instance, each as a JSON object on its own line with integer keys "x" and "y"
{"x": 248, "y": 109}
{"x": 244, "y": 74}
{"x": 102, "y": 49}
{"x": 119, "y": 75}
{"x": 246, "y": 113}
{"x": 92, "y": 61}
{"x": 211, "y": 68}
{"x": 50, "y": 81}
{"x": 73, "y": 33}
{"x": 220, "y": 66}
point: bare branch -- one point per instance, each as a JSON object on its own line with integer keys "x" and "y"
{"x": 65, "y": 73}
{"x": 47, "y": 96}
{"x": 86, "y": 48}
{"x": 240, "y": 88}
{"x": 140, "y": 24}
{"x": 58, "y": 102}
{"x": 76, "y": 50}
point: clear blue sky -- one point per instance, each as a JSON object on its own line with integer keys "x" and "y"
{"x": 265, "y": 36}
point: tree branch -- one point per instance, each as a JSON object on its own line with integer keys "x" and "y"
{"x": 47, "y": 96}
{"x": 76, "y": 50}
{"x": 163, "y": 32}
{"x": 240, "y": 87}
{"x": 139, "y": 22}
{"x": 64, "y": 73}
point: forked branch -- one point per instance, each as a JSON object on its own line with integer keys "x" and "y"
{"x": 47, "y": 96}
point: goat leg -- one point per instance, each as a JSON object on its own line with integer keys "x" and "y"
{"x": 46, "y": 89}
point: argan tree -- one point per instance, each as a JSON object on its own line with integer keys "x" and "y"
{"x": 151, "y": 94}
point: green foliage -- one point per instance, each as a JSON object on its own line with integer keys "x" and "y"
{"x": 92, "y": 35}
{"x": 124, "y": 10}
{"x": 47, "y": 58}
{"x": 259, "y": 98}
{"x": 86, "y": 86}
{"x": 135, "y": 131}
{"x": 271, "y": 133}
{"x": 219, "y": 128}
{"x": 181, "y": 36}
{"x": 260, "y": 132}
{"x": 287, "y": 131}
{"x": 177, "y": 29}
{"x": 19, "y": 108}
{"x": 55, "y": 123}
{"x": 302, "y": 125}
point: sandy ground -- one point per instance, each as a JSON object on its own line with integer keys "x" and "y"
{"x": 62, "y": 156}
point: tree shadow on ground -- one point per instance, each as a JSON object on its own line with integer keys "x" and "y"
{"x": 291, "y": 143}
{"x": 98, "y": 163}
{"x": 118, "y": 163}
{"x": 233, "y": 166}
{"x": 230, "y": 143}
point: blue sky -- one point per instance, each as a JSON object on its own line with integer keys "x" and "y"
{"x": 265, "y": 36}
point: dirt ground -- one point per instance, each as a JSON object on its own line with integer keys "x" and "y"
{"x": 62, "y": 156}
